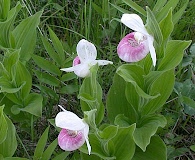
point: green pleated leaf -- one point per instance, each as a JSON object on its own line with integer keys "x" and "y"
{"x": 61, "y": 156}
{"x": 159, "y": 5}
{"x": 23, "y": 75}
{"x": 46, "y": 65}
{"x": 51, "y": 51}
{"x": 116, "y": 100}
{"x": 163, "y": 12}
{"x": 180, "y": 12}
{"x": 146, "y": 129}
{"x": 156, "y": 150}
{"x": 9, "y": 145}
{"x": 173, "y": 54}
{"x": 122, "y": 146}
{"x": 135, "y": 6}
{"x": 6, "y": 26}
{"x": 25, "y": 35}
{"x": 89, "y": 117}
{"x": 68, "y": 76}
{"x": 91, "y": 95}
{"x": 47, "y": 78}
{"x": 41, "y": 145}
{"x": 5, "y": 7}
{"x": 49, "y": 151}
{"x": 163, "y": 86}
{"x": 33, "y": 104}
{"x": 97, "y": 148}
{"x": 58, "y": 46}
{"x": 3, "y": 126}
{"x": 134, "y": 74}
{"x": 166, "y": 26}
{"x": 153, "y": 27}
{"x": 15, "y": 158}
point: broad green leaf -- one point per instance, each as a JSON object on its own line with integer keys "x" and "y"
{"x": 49, "y": 151}
{"x": 68, "y": 76}
{"x": 135, "y": 6}
{"x": 189, "y": 105}
{"x": 51, "y": 51}
{"x": 180, "y": 12}
{"x": 89, "y": 157}
{"x": 134, "y": 74}
{"x": 10, "y": 60}
{"x": 116, "y": 100}
{"x": 33, "y": 104}
{"x": 93, "y": 90}
{"x": 163, "y": 12}
{"x": 97, "y": 148}
{"x": 163, "y": 85}
{"x": 153, "y": 27}
{"x": 159, "y": 5}
{"x": 192, "y": 148}
{"x": 122, "y": 146}
{"x": 9, "y": 145}
{"x": 22, "y": 75}
{"x": 57, "y": 45}
{"x": 156, "y": 150}
{"x": 61, "y": 156}
{"x": 166, "y": 26}
{"x": 108, "y": 132}
{"x": 122, "y": 121}
{"x": 48, "y": 91}
{"x": 46, "y": 65}
{"x": 5, "y": 7}
{"x": 173, "y": 54}
{"x": 25, "y": 35}
{"x": 15, "y": 158}
{"x": 89, "y": 117}
{"x": 69, "y": 89}
{"x": 41, "y": 145}
{"x": 7, "y": 25}
{"x": 3, "y": 126}
{"x": 47, "y": 78}
{"x": 146, "y": 128}
{"x": 9, "y": 87}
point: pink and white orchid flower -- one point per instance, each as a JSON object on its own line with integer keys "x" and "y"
{"x": 86, "y": 58}
{"x": 136, "y": 45}
{"x": 74, "y": 131}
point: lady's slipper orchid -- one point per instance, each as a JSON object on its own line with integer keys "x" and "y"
{"x": 136, "y": 45}
{"x": 74, "y": 131}
{"x": 86, "y": 58}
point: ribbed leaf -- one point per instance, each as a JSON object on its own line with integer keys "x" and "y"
{"x": 46, "y": 65}
{"x": 146, "y": 129}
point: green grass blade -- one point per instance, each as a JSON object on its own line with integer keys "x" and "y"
{"x": 135, "y": 6}
{"x": 41, "y": 145}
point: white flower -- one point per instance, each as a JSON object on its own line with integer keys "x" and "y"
{"x": 134, "y": 22}
{"x": 74, "y": 131}
{"x": 86, "y": 58}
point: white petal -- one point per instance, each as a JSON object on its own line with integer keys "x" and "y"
{"x": 134, "y": 22}
{"x": 69, "y": 120}
{"x": 86, "y": 132}
{"x": 103, "y": 62}
{"x": 70, "y": 69}
{"x": 152, "y": 49}
{"x": 82, "y": 70}
{"x": 86, "y": 50}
